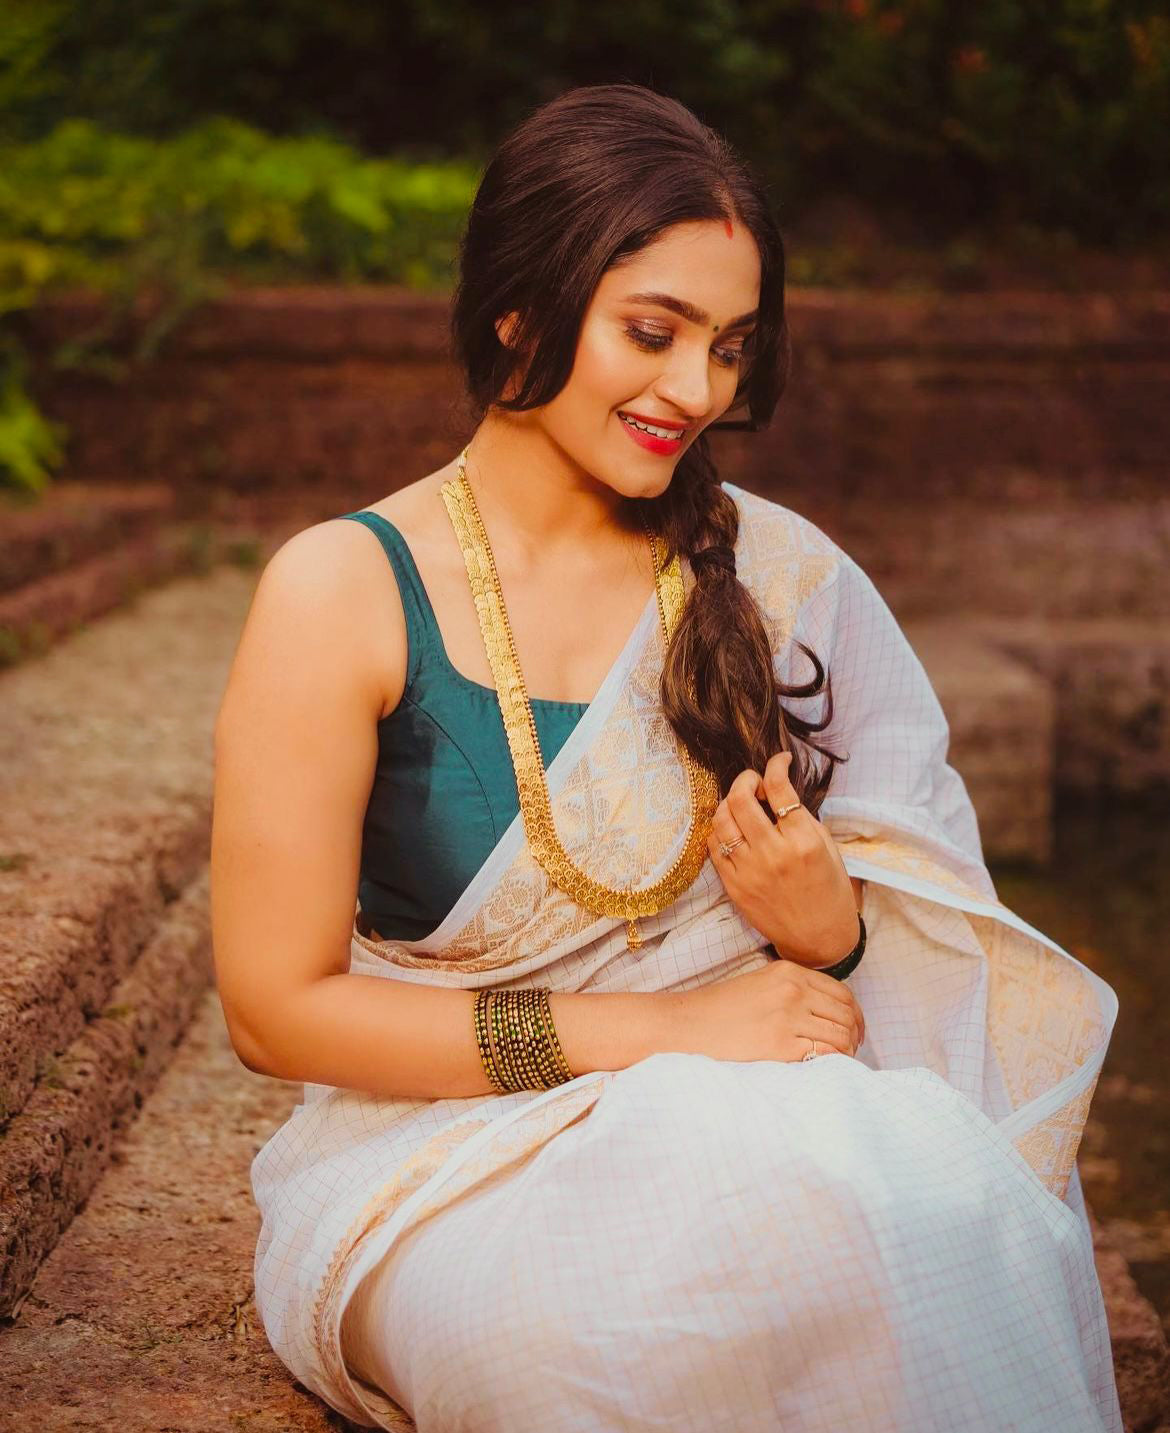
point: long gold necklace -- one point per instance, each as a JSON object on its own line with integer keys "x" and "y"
{"x": 524, "y": 744}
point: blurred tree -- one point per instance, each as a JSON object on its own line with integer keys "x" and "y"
{"x": 1008, "y": 111}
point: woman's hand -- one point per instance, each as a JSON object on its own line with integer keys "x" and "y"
{"x": 787, "y": 876}
{"x": 774, "y": 1013}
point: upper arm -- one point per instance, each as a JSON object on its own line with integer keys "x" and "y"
{"x": 295, "y": 751}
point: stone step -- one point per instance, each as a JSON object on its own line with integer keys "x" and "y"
{"x": 1110, "y": 684}
{"x": 58, "y": 1146}
{"x": 105, "y": 801}
{"x": 1043, "y": 705}
{"x": 906, "y": 397}
{"x": 65, "y": 566}
{"x": 71, "y": 521}
{"x": 34, "y": 616}
{"x": 143, "y": 1317}
{"x": 1057, "y": 559}
{"x": 45, "y": 609}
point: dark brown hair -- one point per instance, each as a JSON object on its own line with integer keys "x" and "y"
{"x": 584, "y": 182}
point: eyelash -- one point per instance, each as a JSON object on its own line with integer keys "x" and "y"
{"x": 656, "y": 341}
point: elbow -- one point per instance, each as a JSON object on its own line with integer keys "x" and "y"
{"x": 250, "y": 1060}
{"x": 248, "y": 1051}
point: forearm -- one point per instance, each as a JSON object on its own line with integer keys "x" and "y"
{"x": 401, "y": 1040}
{"x": 818, "y": 962}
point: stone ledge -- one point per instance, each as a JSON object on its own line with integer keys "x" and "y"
{"x": 143, "y": 1316}
{"x": 995, "y": 396}
{"x": 61, "y": 960}
{"x": 1057, "y": 559}
{"x": 35, "y": 615}
{"x": 325, "y": 321}
{"x": 1141, "y": 1355}
{"x": 105, "y": 800}
{"x": 1110, "y": 680}
{"x": 57, "y": 1148}
{"x": 70, "y": 522}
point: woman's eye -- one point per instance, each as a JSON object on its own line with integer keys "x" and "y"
{"x": 647, "y": 340}
{"x": 654, "y": 342}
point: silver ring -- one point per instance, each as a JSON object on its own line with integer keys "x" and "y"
{"x": 810, "y": 1054}
{"x": 725, "y": 849}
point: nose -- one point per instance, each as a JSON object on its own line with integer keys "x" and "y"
{"x": 685, "y": 383}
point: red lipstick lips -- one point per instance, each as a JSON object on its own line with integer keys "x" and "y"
{"x": 664, "y": 447}
{"x": 657, "y": 422}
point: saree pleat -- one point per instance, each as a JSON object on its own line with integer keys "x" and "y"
{"x": 691, "y": 1243}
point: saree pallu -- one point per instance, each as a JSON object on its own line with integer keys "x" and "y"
{"x": 894, "y": 1241}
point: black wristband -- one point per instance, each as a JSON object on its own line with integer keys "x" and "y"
{"x": 848, "y": 963}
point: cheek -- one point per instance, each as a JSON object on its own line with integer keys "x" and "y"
{"x": 609, "y": 370}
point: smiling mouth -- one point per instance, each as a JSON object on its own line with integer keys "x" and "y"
{"x": 655, "y": 430}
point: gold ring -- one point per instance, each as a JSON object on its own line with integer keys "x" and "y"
{"x": 780, "y": 815}
{"x": 726, "y": 849}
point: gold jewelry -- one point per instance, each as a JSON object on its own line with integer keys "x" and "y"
{"x": 524, "y": 745}
{"x": 481, "y": 1039}
{"x": 780, "y": 815}
{"x": 525, "y": 1053}
{"x": 726, "y": 848}
{"x": 810, "y": 1054}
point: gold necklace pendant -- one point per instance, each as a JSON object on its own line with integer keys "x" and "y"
{"x": 524, "y": 744}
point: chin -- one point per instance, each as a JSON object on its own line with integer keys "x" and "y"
{"x": 646, "y": 487}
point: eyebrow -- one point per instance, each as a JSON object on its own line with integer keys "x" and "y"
{"x": 688, "y": 310}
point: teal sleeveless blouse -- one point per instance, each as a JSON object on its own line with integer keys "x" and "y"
{"x": 444, "y": 789}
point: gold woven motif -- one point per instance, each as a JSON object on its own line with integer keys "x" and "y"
{"x": 524, "y": 744}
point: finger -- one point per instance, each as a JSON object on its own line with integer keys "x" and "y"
{"x": 778, "y": 785}
{"x": 839, "y": 1004}
{"x": 744, "y": 804}
{"x": 839, "y": 1015}
{"x": 725, "y": 864}
{"x": 830, "y": 1032}
{"x": 845, "y": 1011}
{"x": 723, "y": 824}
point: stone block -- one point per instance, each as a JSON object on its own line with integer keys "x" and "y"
{"x": 1110, "y": 681}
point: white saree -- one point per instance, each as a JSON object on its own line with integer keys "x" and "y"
{"x": 893, "y": 1242}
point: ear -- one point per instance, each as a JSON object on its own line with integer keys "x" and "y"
{"x": 506, "y": 328}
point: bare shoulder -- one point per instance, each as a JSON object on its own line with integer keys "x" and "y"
{"x": 315, "y": 605}
{"x": 335, "y": 579}
{"x": 417, "y": 509}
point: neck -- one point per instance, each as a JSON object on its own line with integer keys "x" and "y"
{"x": 538, "y": 505}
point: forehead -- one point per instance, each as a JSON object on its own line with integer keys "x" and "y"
{"x": 696, "y": 262}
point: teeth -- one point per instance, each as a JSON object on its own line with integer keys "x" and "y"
{"x": 649, "y": 428}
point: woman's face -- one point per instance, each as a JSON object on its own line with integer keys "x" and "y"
{"x": 637, "y": 355}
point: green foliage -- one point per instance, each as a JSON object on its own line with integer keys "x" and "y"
{"x": 30, "y": 444}
{"x": 182, "y": 218}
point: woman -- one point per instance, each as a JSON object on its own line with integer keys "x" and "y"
{"x": 708, "y": 1182}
